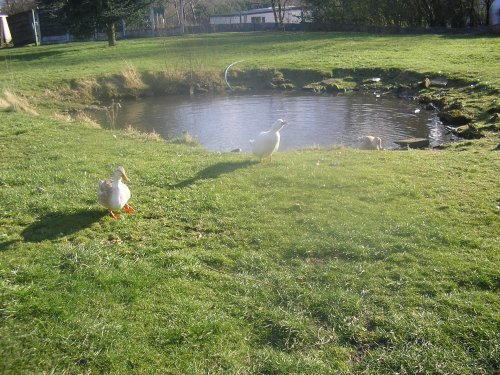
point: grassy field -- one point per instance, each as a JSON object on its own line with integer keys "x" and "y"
{"x": 321, "y": 262}
{"x": 474, "y": 58}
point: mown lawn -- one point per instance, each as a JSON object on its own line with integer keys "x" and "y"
{"x": 321, "y": 262}
{"x": 469, "y": 57}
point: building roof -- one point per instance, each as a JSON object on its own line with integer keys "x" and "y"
{"x": 253, "y": 11}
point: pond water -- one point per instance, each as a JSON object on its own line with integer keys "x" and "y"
{"x": 224, "y": 123}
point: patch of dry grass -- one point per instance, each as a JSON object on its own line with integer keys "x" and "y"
{"x": 13, "y": 102}
{"x": 78, "y": 116}
{"x": 131, "y": 79}
{"x": 165, "y": 82}
{"x": 3, "y": 104}
{"x": 187, "y": 139}
{"x": 207, "y": 79}
{"x": 152, "y": 136}
{"x": 84, "y": 89}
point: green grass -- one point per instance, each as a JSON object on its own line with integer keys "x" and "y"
{"x": 460, "y": 56}
{"x": 321, "y": 262}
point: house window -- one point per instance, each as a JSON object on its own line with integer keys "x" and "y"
{"x": 258, "y": 19}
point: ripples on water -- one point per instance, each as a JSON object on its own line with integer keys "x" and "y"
{"x": 223, "y": 123}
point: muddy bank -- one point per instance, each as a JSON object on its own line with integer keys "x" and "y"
{"x": 467, "y": 108}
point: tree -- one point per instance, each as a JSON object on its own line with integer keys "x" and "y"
{"x": 436, "y": 13}
{"x": 279, "y": 8}
{"x": 487, "y": 5}
{"x": 85, "y": 17}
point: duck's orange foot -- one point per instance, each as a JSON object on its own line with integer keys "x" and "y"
{"x": 128, "y": 209}
{"x": 113, "y": 215}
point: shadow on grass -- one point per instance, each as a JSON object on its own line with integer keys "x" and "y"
{"x": 58, "y": 224}
{"x": 467, "y": 34}
{"x": 214, "y": 171}
{"x": 6, "y": 244}
{"x": 36, "y": 55}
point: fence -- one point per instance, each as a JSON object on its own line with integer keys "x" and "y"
{"x": 305, "y": 27}
{"x": 40, "y": 27}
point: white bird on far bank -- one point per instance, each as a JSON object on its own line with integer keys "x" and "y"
{"x": 268, "y": 142}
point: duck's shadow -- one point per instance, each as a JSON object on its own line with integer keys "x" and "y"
{"x": 215, "y": 170}
{"x": 58, "y": 224}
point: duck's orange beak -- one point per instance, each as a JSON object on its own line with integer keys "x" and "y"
{"x": 124, "y": 176}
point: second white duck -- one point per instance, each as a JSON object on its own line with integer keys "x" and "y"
{"x": 268, "y": 142}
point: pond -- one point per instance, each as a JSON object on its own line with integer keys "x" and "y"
{"x": 224, "y": 123}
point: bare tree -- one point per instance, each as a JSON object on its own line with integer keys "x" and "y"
{"x": 487, "y": 4}
{"x": 279, "y": 8}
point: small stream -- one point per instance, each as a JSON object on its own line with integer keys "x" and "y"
{"x": 224, "y": 123}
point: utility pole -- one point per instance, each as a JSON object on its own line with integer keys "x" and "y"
{"x": 181, "y": 15}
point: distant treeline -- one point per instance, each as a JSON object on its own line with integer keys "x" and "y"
{"x": 402, "y": 13}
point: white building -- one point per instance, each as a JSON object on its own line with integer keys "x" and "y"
{"x": 263, "y": 15}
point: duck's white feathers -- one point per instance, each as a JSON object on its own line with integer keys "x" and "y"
{"x": 104, "y": 192}
{"x": 267, "y": 142}
{"x": 113, "y": 194}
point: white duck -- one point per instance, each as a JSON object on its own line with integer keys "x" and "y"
{"x": 114, "y": 194}
{"x": 268, "y": 142}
